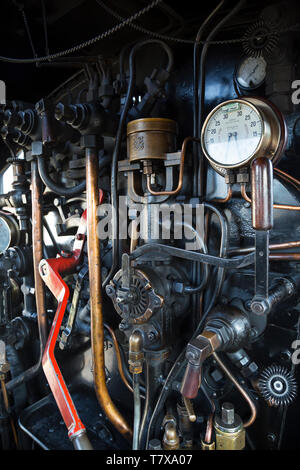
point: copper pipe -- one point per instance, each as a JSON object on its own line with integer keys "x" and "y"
{"x": 276, "y": 206}
{"x": 225, "y": 199}
{"x": 37, "y": 252}
{"x": 277, "y": 246}
{"x": 284, "y": 256}
{"x": 181, "y": 168}
{"x": 119, "y": 359}
{"x": 6, "y": 404}
{"x": 209, "y": 428}
{"x": 240, "y": 389}
{"x": 289, "y": 177}
{"x": 210, "y": 423}
{"x": 133, "y": 238}
{"x": 97, "y": 330}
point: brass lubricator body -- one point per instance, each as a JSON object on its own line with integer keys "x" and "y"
{"x": 151, "y": 138}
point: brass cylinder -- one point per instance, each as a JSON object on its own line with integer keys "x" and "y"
{"x": 151, "y": 138}
{"x": 97, "y": 330}
{"x": 37, "y": 249}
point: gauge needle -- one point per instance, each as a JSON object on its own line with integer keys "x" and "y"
{"x": 236, "y": 141}
{"x": 253, "y": 71}
{"x": 228, "y": 142}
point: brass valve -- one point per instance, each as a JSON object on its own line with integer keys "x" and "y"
{"x": 136, "y": 355}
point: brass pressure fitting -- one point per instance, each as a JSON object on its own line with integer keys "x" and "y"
{"x": 198, "y": 350}
{"x": 229, "y": 429}
{"x": 205, "y": 446}
{"x": 170, "y": 438}
{"x": 136, "y": 355}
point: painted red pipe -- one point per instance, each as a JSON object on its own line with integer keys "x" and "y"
{"x": 51, "y": 271}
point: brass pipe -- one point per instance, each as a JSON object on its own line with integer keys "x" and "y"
{"x": 133, "y": 237}
{"x": 276, "y": 206}
{"x": 284, "y": 256}
{"x": 118, "y": 355}
{"x": 37, "y": 252}
{"x": 240, "y": 389}
{"x": 286, "y": 175}
{"x": 6, "y": 404}
{"x": 181, "y": 168}
{"x": 97, "y": 327}
{"x": 276, "y": 246}
{"x": 225, "y": 199}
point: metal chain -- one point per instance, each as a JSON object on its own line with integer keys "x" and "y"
{"x": 87, "y": 43}
{"x": 128, "y": 22}
{"x": 28, "y": 31}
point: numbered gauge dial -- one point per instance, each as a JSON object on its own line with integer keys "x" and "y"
{"x": 9, "y": 232}
{"x": 237, "y": 131}
{"x": 251, "y": 73}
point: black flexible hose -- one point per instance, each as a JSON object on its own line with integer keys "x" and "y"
{"x": 56, "y": 188}
{"x": 211, "y": 35}
{"x": 118, "y": 144}
{"x": 196, "y": 87}
{"x": 61, "y": 190}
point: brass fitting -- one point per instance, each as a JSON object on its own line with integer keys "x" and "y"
{"x": 136, "y": 355}
{"x": 206, "y": 446}
{"x": 171, "y": 438}
{"x": 229, "y": 429}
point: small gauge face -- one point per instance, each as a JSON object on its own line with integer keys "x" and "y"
{"x": 232, "y": 133}
{"x": 5, "y": 235}
{"x": 251, "y": 72}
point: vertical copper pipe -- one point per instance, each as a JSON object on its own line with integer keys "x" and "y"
{"x": 97, "y": 327}
{"x": 37, "y": 251}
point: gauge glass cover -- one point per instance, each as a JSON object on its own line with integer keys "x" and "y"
{"x": 251, "y": 72}
{"x": 232, "y": 134}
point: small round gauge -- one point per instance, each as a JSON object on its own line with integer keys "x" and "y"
{"x": 251, "y": 73}
{"x": 9, "y": 232}
{"x": 237, "y": 131}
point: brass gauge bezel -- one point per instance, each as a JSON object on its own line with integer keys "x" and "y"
{"x": 269, "y": 143}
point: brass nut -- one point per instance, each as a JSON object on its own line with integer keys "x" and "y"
{"x": 213, "y": 339}
{"x": 230, "y": 441}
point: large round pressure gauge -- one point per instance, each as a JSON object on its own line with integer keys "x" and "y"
{"x": 237, "y": 131}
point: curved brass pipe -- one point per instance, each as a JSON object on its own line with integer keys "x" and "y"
{"x": 181, "y": 168}
{"x": 226, "y": 198}
{"x": 97, "y": 328}
{"x": 240, "y": 389}
{"x": 118, "y": 355}
{"x": 276, "y": 206}
{"x": 286, "y": 175}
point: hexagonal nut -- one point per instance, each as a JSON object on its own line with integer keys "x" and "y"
{"x": 213, "y": 339}
{"x": 251, "y": 369}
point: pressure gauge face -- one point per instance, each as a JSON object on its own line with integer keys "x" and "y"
{"x": 232, "y": 134}
{"x": 9, "y": 232}
{"x": 251, "y": 72}
{"x": 237, "y": 131}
